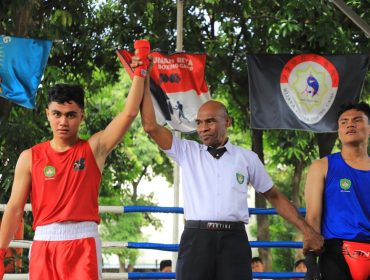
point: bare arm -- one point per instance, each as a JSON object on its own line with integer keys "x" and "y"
{"x": 161, "y": 135}
{"x": 312, "y": 240}
{"x": 314, "y": 189}
{"x": 104, "y": 141}
{"x": 20, "y": 190}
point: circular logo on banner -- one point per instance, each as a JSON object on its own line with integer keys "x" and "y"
{"x": 309, "y": 83}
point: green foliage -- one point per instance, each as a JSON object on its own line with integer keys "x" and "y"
{"x": 16, "y": 136}
{"x": 288, "y": 147}
{"x": 281, "y": 230}
{"x": 282, "y": 258}
{"x": 85, "y": 35}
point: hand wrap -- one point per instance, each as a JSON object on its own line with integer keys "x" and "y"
{"x": 142, "y": 48}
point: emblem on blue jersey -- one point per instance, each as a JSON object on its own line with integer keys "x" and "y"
{"x": 79, "y": 164}
{"x": 240, "y": 178}
{"x": 345, "y": 184}
{"x": 49, "y": 171}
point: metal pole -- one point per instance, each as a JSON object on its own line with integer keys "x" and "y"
{"x": 176, "y": 195}
{"x": 180, "y": 25}
{"x": 176, "y": 171}
{"x": 353, "y": 16}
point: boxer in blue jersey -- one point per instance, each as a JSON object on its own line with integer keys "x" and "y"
{"x": 338, "y": 201}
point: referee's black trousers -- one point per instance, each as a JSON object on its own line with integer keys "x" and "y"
{"x": 214, "y": 255}
{"x": 332, "y": 262}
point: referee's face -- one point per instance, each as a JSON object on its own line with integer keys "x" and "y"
{"x": 212, "y": 123}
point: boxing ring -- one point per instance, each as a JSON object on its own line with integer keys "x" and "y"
{"x": 167, "y": 247}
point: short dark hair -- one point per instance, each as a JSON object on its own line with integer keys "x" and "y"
{"x": 164, "y": 263}
{"x": 62, "y": 93}
{"x": 256, "y": 259}
{"x": 362, "y": 106}
{"x": 298, "y": 262}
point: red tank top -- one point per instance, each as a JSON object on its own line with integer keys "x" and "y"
{"x": 65, "y": 185}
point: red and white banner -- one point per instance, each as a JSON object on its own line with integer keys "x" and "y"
{"x": 177, "y": 85}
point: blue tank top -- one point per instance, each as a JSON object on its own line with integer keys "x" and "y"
{"x": 346, "y": 205}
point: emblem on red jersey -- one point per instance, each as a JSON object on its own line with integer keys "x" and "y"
{"x": 49, "y": 171}
{"x": 79, "y": 164}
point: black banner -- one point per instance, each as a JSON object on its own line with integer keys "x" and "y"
{"x": 303, "y": 92}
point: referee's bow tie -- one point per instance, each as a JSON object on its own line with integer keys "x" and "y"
{"x": 216, "y": 152}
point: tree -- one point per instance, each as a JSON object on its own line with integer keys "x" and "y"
{"x": 234, "y": 29}
{"x": 86, "y": 32}
{"x": 82, "y": 53}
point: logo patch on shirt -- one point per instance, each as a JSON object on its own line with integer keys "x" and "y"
{"x": 49, "y": 171}
{"x": 240, "y": 178}
{"x": 345, "y": 184}
{"x": 79, "y": 164}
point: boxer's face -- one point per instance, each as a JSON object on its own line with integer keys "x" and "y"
{"x": 353, "y": 127}
{"x": 64, "y": 119}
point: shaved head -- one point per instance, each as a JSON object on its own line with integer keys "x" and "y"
{"x": 212, "y": 123}
{"x": 215, "y": 106}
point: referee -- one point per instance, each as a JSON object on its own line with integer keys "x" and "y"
{"x": 216, "y": 174}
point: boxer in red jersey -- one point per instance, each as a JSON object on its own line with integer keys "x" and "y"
{"x": 62, "y": 178}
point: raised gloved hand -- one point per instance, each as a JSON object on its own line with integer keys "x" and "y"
{"x": 313, "y": 270}
{"x": 2, "y": 257}
{"x": 142, "y": 48}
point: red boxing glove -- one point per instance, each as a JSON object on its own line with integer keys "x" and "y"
{"x": 142, "y": 48}
{"x": 2, "y": 257}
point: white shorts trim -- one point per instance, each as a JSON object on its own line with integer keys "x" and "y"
{"x": 66, "y": 231}
{"x": 71, "y": 231}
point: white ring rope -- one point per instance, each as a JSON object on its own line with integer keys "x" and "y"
{"x": 26, "y": 244}
{"x": 106, "y": 276}
{"x": 102, "y": 209}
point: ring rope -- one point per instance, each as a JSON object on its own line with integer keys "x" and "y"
{"x": 162, "y": 209}
{"x": 168, "y": 275}
{"x": 167, "y": 247}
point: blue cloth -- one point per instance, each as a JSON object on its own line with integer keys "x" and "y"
{"x": 346, "y": 209}
{"x": 22, "y": 63}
